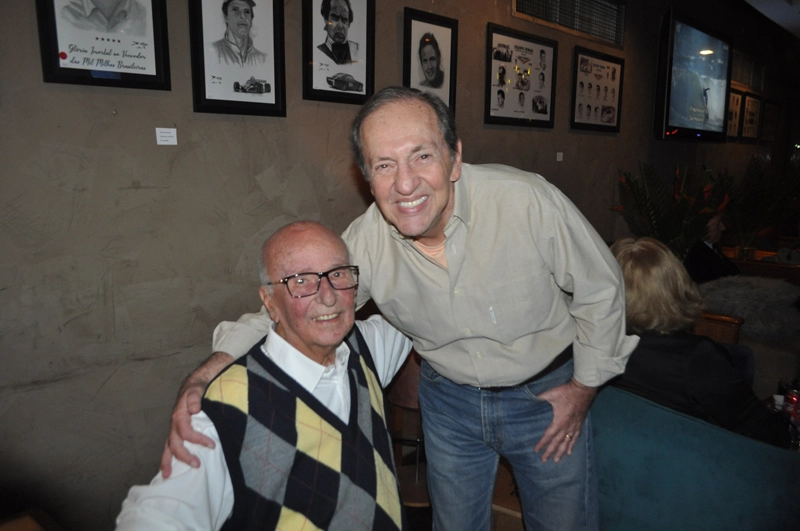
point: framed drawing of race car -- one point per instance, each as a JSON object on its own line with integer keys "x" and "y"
{"x": 338, "y": 50}
{"x": 237, "y": 57}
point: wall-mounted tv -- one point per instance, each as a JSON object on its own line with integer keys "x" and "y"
{"x": 694, "y": 72}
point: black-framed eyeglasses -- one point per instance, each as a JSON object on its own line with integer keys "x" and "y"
{"x": 307, "y": 284}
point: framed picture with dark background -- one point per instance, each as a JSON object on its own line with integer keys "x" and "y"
{"x": 430, "y": 52}
{"x": 751, "y": 118}
{"x": 596, "y": 91}
{"x": 735, "y": 101}
{"x": 338, "y": 50}
{"x": 520, "y": 78}
{"x": 237, "y": 56}
{"x": 84, "y": 47}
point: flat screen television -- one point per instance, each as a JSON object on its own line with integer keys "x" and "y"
{"x": 694, "y": 72}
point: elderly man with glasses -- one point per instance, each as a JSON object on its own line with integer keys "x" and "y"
{"x": 298, "y": 422}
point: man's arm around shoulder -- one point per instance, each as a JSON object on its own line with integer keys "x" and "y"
{"x": 231, "y": 340}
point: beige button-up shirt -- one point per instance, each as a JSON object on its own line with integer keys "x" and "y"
{"x": 527, "y": 276}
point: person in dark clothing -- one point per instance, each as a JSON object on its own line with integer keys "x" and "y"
{"x": 688, "y": 373}
{"x": 705, "y": 261}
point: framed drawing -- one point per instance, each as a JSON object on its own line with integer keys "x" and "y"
{"x": 751, "y": 118}
{"x": 735, "y": 101}
{"x": 237, "y": 56}
{"x": 430, "y": 51}
{"x": 769, "y": 123}
{"x": 338, "y": 50}
{"x": 520, "y": 78}
{"x": 596, "y": 91}
{"x": 122, "y": 44}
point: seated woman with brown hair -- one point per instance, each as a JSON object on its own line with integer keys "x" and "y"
{"x": 673, "y": 367}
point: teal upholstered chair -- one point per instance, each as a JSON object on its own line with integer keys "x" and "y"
{"x": 659, "y": 469}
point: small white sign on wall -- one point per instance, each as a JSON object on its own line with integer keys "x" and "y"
{"x": 166, "y": 136}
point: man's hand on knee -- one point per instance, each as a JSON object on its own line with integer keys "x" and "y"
{"x": 570, "y": 403}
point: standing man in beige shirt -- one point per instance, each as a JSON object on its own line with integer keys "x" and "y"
{"x": 512, "y": 299}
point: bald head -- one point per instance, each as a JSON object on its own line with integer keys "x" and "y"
{"x": 290, "y": 237}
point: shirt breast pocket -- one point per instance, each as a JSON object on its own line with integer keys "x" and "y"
{"x": 521, "y": 307}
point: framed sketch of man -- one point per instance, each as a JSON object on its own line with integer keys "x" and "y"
{"x": 338, "y": 50}
{"x": 430, "y": 50}
{"x": 118, "y": 43}
{"x": 237, "y": 56}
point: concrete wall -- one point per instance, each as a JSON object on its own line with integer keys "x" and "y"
{"x": 118, "y": 256}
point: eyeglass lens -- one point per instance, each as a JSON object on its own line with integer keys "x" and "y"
{"x": 308, "y": 283}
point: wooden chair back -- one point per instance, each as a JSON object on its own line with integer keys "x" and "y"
{"x": 720, "y": 328}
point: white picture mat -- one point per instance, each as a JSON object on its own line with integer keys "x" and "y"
{"x": 220, "y": 77}
{"x": 444, "y": 37}
{"x": 751, "y": 117}
{"x": 734, "y": 111}
{"x": 323, "y": 66}
{"x": 523, "y": 64}
{"x": 605, "y": 104}
{"x": 114, "y": 51}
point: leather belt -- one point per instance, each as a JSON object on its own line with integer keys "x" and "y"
{"x": 557, "y": 363}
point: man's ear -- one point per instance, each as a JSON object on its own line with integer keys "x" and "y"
{"x": 263, "y": 293}
{"x": 455, "y": 174}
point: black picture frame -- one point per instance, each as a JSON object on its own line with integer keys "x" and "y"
{"x": 350, "y": 80}
{"x": 419, "y": 25}
{"x": 224, "y": 82}
{"x": 509, "y": 51}
{"x": 76, "y": 49}
{"x": 770, "y": 114}
{"x": 735, "y": 107}
{"x": 751, "y": 118}
{"x": 597, "y": 82}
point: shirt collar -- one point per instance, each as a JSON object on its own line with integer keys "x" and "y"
{"x": 330, "y": 44}
{"x": 123, "y": 7}
{"x": 300, "y": 367}
{"x": 461, "y": 208}
{"x": 231, "y": 42}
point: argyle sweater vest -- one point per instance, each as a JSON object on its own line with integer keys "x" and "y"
{"x": 293, "y": 463}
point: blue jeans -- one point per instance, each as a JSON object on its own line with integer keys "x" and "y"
{"x": 467, "y": 430}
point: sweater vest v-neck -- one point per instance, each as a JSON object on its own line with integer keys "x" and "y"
{"x": 293, "y": 463}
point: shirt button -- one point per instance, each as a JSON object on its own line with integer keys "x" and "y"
{"x": 468, "y": 331}
{"x": 479, "y": 355}
{"x": 457, "y": 291}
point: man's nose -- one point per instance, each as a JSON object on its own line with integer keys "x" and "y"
{"x": 326, "y": 294}
{"x": 405, "y": 180}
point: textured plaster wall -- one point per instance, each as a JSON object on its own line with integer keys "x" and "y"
{"x": 118, "y": 256}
